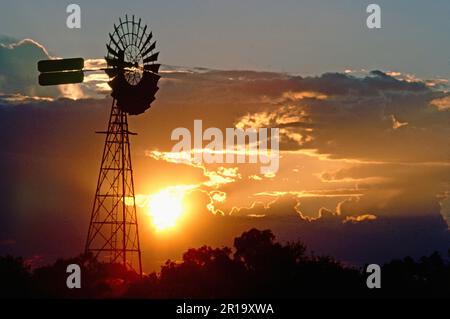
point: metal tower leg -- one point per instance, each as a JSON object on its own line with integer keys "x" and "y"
{"x": 113, "y": 230}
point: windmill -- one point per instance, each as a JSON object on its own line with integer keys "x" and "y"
{"x": 113, "y": 234}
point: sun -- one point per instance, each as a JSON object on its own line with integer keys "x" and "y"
{"x": 165, "y": 208}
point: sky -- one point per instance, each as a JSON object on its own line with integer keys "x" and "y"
{"x": 364, "y": 119}
{"x": 295, "y": 36}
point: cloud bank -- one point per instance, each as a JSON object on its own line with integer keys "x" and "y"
{"x": 364, "y": 168}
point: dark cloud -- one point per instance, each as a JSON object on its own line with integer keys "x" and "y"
{"x": 18, "y": 68}
{"x": 364, "y": 128}
{"x": 50, "y": 156}
{"x": 372, "y": 118}
{"x": 353, "y": 240}
{"x": 410, "y": 185}
{"x": 375, "y": 118}
{"x": 373, "y": 85}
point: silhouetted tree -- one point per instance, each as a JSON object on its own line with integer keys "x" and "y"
{"x": 14, "y": 277}
{"x": 257, "y": 266}
{"x": 429, "y": 277}
{"x": 204, "y": 273}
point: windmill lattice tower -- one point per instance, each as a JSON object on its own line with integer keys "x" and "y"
{"x": 113, "y": 234}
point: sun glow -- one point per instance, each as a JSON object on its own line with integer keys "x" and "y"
{"x": 166, "y": 207}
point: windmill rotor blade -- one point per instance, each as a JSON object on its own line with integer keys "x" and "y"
{"x": 152, "y": 58}
{"x": 118, "y": 63}
{"x": 120, "y": 36}
{"x": 111, "y": 51}
{"x": 128, "y": 29}
{"x": 152, "y": 67}
{"x": 146, "y": 42}
{"x": 142, "y": 36}
{"x": 114, "y": 41}
{"x": 111, "y": 72}
{"x": 115, "y": 62}
{"x": 124, "y": 36}
{"x": 138, "y": 28}
{"x": 112, "y": 62}
{"x": 121, "y": 39}
{"x": 61, "y": 65}
{"x": 132, "y": 29}
{"x": 150, "y": 49}
{"x": 56, "y": 78}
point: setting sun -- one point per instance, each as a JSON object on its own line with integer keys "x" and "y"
{"x": 165, "y": 208}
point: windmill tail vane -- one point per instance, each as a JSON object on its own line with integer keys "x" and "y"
{"x": 61, "y": 71}
{"x": 113, "y": 230}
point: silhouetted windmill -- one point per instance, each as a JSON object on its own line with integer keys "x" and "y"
{"x": 113, "y": 231}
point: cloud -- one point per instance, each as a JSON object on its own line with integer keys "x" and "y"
{"x": 215, "y": 178}
{"x": 410, "y": 184}
{"x": 373, "y": 118}
{"x": 17, "y": 98}
{"x": 354, "y": 238}
{"x": 384, "y": 124}
{"x": 442, "y": 104}
{"x": 296, "y": 96}
{"x": 18, "y": 68}
{"x": 19, "y": 74}
{"x": 396, "y": 124}
{"x": 360, "y": 218}
{"x": 355, "y": 181}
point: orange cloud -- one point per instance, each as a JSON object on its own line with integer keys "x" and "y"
{"x": 359, "y": 218}
{"x": 295, "y": 96}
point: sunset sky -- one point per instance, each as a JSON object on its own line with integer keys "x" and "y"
{"x": 364, "y": 118}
